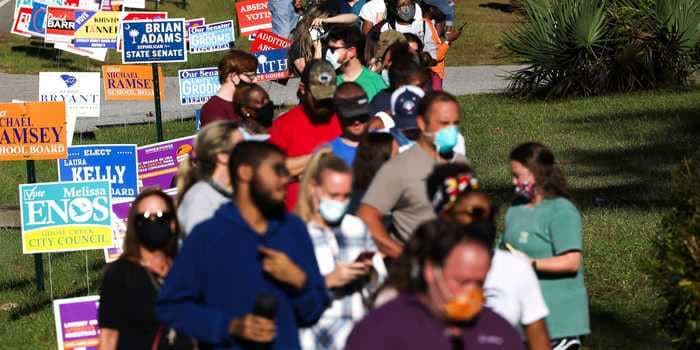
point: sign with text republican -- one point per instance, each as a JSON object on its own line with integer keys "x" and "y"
{"x": 211, "y": 37}
{"x": 266, "y": 40}
{"x": 65, "y": 216}
{"x": 131, "y": 82}
{"x": 272, "y": 65}
{"x": 21, "y": 19}
{"x": 96, "y": 29}
{"x": 133, "y": 16}
{"x": 253, "y": 15}
{"x": 154, "y": 41}
{"x": 80, "y": 91}
{"x": 60, "y": 24}
{"x": 120, "y": 214}
{"x": 77, "y": 327}
{"x": 198, "y": 85}
{"x": 158, "y": 163}
{"x": 114, "y": 163}
{"x": 37, "y": 24}
{"x": 35, "y": 130}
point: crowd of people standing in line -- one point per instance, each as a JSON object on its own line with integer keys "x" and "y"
{"x": 353, "y": 220}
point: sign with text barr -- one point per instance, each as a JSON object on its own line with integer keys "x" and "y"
{"x": 154, "y": 41}
{"x": 211, "y": 37}
{"x": 65, "y": 216}
{"x": 198, "y": 85}
{"x": 272, "y": 64}
{"x": 253, "y": 15}
{"x": 60, "y": 24}
{"x": 115, "y": 163}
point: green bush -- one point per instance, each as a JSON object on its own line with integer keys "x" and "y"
{"x": 677, "y": 261}
{"x": 584, "y": 48}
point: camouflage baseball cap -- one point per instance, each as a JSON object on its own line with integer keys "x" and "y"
{"x": 319, "y": 78}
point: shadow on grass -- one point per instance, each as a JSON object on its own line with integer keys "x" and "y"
{"x": 610, "y": 331}
{"x": 17, "y": 283}
{"x": 40, "y": 301}
{"x": 507, "y": 8}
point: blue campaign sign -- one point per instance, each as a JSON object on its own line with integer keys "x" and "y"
{"x": 153, "y": 41}
{"x": 211, "y": 37}
{"x": 37, "y": 24}
{"x": 272, "y": 64}
{"x": 115, "y": 163}
{"x": 198, "y": 85}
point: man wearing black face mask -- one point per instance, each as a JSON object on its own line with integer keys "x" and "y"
{"x": 236, "y": 69}
{"x": 403, "y": 16}
{"x": 353, "y": 112}
{"x": 310, "y": 124}
{"x": 257, "y": 111}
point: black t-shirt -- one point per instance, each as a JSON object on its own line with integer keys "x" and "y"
{"x": 127, "y": 304}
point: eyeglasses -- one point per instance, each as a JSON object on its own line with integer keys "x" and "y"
{"x": 281, "y": 170}
{"x": 250, "y": 75}
{"x": 332, "y": 49}
{"x": 161, "y": 217}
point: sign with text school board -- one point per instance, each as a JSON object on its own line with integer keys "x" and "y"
{"x": 96, "y": 29}
{"x": 131, "y": 82}
{"x": 211, "y": 37}
{"x": 35, "y": 130}
{"x": 65, "y": 216}
{"x": 272, "y": 64}
{"x": 114, "y": 163}
{"x": 154, "y": 41}
{"x": 80, "y": 91}
{"x": 120, "y": 214}
{"x": 198, "y": 85}
{"x": 158, "y": 163}
{"x": 253, "y": 15}
{"x": 77, "y": 327}
{"x": 266, "y": 40}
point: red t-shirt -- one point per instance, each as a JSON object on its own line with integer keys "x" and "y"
{"x": 217, "y": 109}
{"x": 294, "y": 133}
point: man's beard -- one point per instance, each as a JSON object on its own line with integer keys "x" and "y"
{"x": 269, "y": 207}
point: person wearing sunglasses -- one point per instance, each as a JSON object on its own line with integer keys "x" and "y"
{"x": 250, "y": 250}
{"x": 127, "y": 315}
{"x": 352, "y": 106}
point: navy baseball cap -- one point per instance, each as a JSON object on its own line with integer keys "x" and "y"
{"x": 404, "y": 106}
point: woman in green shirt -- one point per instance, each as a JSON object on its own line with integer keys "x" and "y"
{"x": 546, "y": 226}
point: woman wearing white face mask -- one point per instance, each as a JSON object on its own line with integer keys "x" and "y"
{"x": 344, "y": 249}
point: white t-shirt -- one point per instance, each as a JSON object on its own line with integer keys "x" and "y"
{"x": 375, "y": 10}
{"x": 513, "y": 291}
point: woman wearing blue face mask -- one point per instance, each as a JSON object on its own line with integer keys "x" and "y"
{"x": 545, "y": 226}
{"x": 344, "y": 249}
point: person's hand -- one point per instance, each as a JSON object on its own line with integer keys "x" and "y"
{"x": 520, "y": 254}
{"x": 345, "y": 273}
{"x": 253, "y": 328}
{"x": 317, "y": 23}
{"x": 453, "y": 35}
{"x": 282, "y": 268}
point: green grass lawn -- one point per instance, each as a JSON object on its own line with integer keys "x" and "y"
{"x": 477, "y": 45}
{"x": 617, "y": 152}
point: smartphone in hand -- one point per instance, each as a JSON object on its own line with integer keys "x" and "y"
{"x": 364, "y": 256}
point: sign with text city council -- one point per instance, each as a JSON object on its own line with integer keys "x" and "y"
{"x": 211, "y": 37}
{"x": 253, "y": 15}
{"x": 131, "y": 82}
{"x": 114, "y": 163}
{"x": 65, "y": 216}
{"x": 35, "y": 130}
{"x": 154, "y": 41}
{"x": 198, "y": 85}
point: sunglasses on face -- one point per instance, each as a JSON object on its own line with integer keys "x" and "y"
{"x": 161, "y": 217}
{"x": 332, "y": 49}
{"x": 357, "y": 120}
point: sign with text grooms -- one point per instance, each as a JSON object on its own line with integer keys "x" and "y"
{"x": 35, "y": 130}
{"x": 154, "y": 41}
{"x": 272, "y": 64}
{"x": 253, "y": 15}
{"x": 198, "y": 85}
{"x": 65, "y": 216}
{"x": 131, "y": 82}
{"x": 211, "y": 37}
{"x": 158, "y": 163}
{"x": 80, "y": 91}
{"x": 77, "y": 327}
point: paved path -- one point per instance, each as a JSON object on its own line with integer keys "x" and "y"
{"x": 459, "y": 81}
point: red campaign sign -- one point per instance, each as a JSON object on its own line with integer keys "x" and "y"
{"x": 253, "y": 15}
{"x": 60, "y": 24}
{"x": 266, "y": 40}
{"x": 23, "y": 15}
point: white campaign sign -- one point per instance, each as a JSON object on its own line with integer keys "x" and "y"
{"x": 80, "y": 91}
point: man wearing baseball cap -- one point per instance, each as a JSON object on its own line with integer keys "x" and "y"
{"x": 312, "y": 123}
{"x": 352, "y": 105}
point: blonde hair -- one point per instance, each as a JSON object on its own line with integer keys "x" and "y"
{"x": 212, "y": 139}
{"x": 322, "y": 160}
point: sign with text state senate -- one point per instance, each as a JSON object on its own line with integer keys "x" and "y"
{"x": 154, "y": 41}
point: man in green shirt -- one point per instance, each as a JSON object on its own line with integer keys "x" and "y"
{"x": 346, "y": 45}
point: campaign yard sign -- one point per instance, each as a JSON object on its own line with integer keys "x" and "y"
{"x": 193, "y": 23}
{"x": 266, "y": 40}
{"x": 21, "y": 19}
{"x": 80, "y": 91}
{"x": 154, "y": 41}
{"x": 38, "y": 21}
{"x": 272, "y": 64}
{"x": 198, "y": 85}
{"x": 77, "y": 327}
{"x": 158, "y": 163}
{"x": 130, "y": 82}
{"x": 32, "y": 131}
{"x": 114, "y": 163}
{"x": 211, "y": 37}
{"x": 253, "y": 15}
{"x": 65, "y": 216}
{"x": 133, "y": 16}
{"x": 60, "y": 24}
{"x": 96, "y": 29}
{"x": 120, "y": 214}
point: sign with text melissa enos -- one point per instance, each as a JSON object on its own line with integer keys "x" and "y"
{"x": 80, "y": 91}
{"x": 37, "y": 24}
{"x": 60, "y": 24}
{"x": 154, "y": 41}
{"x": 198, "y": 85}
{"x": 211, "y": 37}
{"x": 133, "y": 16}
{"x": 21, "y": 19}
{"x": 96, "y": 29}
{"x": 266, "y": 40}
{"x": 120, "y": 214}
{"x": 272, "y": 65}
{"x": 253, "y": 15}
{"x": 77, "y": 327}
{"x": 114, "y": 163}
{"x": 158, "y": 163}
{"x": 131, "y": 82}
{"x": 65, "y": 216}
{"x": 35, "y": 130}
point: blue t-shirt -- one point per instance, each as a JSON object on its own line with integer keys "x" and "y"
{"x": 343, "y": 150}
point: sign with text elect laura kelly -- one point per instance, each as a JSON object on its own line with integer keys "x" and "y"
{"x": 115, "y": 163}
{"x": 65, "y": 216}
{"x": 154, "y": 41}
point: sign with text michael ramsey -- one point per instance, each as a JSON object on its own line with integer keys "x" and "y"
{"x": 114, "y": 163}
{"x": 154, "y": 41}
{"x": 65, "y": 216}
{"x": 35, "y": 130}
{"x": 131, "y": 82}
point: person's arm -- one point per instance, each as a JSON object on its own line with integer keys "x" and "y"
{"x": 537, "y": 337}
{"x": 346, "y": 18}
{"x": 108, "y": 339}
{"x": 296, "y": 165}
{"x": 366, "y": 26}
{"x": 567, "y": 263}
{"x": 567, "y": 241}
{"x": 373, "y": 219}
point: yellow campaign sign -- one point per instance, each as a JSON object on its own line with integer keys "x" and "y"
{"x": 67, "y": 238}
{"x": 96, "y": 29}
